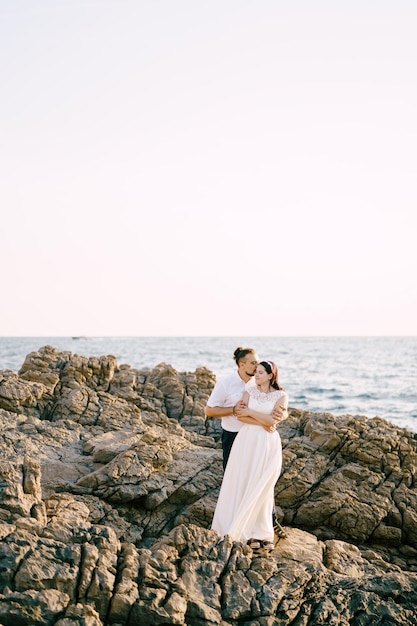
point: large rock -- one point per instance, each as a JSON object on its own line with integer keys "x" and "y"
{"x": 351, "y": 478}
{"x": 108, "y": 481}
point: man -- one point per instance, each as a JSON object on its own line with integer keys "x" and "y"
{"x": 228, "y": 392}
{"x": 225, "y": 397}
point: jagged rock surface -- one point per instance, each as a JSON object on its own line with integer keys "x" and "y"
{"x": 108, "y": 481}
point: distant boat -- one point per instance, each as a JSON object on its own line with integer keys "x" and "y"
{"x": 81, "y": 337}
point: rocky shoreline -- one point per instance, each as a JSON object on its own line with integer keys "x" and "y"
{"x": 109, "y": 479}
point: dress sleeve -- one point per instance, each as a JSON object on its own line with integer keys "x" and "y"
{"x": 283, "y": 400}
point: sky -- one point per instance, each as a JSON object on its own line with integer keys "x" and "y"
{"x": 196, "y": 167}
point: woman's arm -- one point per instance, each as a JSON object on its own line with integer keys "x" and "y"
{"x": 262, "y": 419}
{"x": 244, "y": 401}
{"x": 280, "y": 410}
{"x": 255, "y": 422}
{"x": 249, "y": 420}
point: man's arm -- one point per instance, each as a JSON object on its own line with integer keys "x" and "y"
{"x": 219, "y": 411}
{"x": 225, "y": 411}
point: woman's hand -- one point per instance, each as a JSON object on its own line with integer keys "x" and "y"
{"x": 241, "y": 410}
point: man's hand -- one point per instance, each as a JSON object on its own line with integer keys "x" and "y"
{"x": 278, "y": 413}
{"x": 270, "y": 429}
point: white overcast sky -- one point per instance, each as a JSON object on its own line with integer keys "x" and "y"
{"x": 208, "y": 167}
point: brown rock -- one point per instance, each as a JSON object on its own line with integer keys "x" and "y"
{"x": 109, "y": 478}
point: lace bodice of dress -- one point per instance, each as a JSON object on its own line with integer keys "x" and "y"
{"x": 264, "y": 402}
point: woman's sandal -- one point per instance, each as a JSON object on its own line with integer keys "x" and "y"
{"x": 279, "y": 531}
{"x": 268, "y": 545}
{"x": 255, "y": 544}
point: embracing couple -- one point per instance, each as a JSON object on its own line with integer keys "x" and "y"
{"x": 250, "y": 403}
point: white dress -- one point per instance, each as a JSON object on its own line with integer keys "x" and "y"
{"x": 246, "y": 498}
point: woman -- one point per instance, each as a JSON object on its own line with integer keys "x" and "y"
{"x": 246, "y": 498}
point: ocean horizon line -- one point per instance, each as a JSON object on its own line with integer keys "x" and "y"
{"x": 376, "y": 336}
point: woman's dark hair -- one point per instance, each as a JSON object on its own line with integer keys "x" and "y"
{"x": 240, "y": 353}
{"x": 271, "y": 368}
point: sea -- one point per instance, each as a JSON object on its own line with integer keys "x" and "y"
{"x": 371, "y": 376}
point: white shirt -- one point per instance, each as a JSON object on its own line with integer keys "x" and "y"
{"x": 227, "y": 392}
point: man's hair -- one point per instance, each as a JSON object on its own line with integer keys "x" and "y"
{"x": 240, "y": 353}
